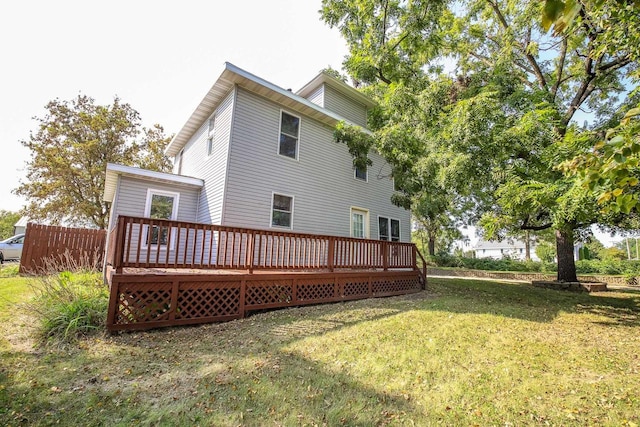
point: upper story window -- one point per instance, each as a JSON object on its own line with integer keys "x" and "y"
{"x": 360, "y": 173}
{"x": 289, "y": 135}
{"x": 389, "y": 229}
{"x": 282, "y": 211}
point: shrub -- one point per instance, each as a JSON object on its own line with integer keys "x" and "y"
{"x": 69, "y": 305}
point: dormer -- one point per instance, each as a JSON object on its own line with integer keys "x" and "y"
{"x": 333, "y": 94}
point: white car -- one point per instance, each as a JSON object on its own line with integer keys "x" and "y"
{"x": 11, "y": 248}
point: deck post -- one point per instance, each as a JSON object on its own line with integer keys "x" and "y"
{"x": 250, "y": 250}
{"x": 385, "y": 255}
{"x": 119, "y": 249}
{"x": 330, "y": 253}
{"x": 414, "y": 261}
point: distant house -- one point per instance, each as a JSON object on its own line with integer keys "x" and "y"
{"x": 20, "y": 227}
{"x": 255, "y": 155}
{"x": 510, "y": 248}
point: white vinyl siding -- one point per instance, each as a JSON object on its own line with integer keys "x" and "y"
{"x": 131, "y": 198}
{"x": 321, "y": 181}
{"x": 211, "y": 168}
{"x": 346, "y": 107}
{"x": 317, "y": 96}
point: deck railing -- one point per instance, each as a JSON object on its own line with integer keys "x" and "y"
{"x": 155, "y": 243}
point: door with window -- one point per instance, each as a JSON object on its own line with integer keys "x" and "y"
{"x": 359, "y": 223}
{"x": 160, "y": 205}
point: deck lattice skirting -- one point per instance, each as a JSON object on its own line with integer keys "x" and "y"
{"x": 294, "y": 269}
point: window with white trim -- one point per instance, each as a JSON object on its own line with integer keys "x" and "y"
{"x": 282, "y": 211}
{"x": 388, "y": 229}
{"x": 359, "y": 223}
{"x": 360, "y": 173}
{"x": 289, "y": 135}
{"x": 160, "y": 205}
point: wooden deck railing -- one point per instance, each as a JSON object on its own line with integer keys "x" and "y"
{"x": 148, "y": 243}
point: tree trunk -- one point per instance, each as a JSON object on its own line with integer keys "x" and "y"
{"x": 432, "y": 245}
{"x": 527, "y": 246}
{"x": 566, "y": 262}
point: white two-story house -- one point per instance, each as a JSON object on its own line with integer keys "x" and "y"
{"x": 255, "y": 155}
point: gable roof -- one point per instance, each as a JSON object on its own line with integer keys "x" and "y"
{"x": 115, "y": 170}
{"x": 339, "y": 85}
{"x": 232, "y": 75}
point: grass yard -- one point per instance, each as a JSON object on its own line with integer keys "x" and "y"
{"x": 463, "y": 353}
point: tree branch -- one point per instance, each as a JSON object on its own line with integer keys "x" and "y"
{"x": 532, "y": 61}
{"x": 536, "y": 227}
{"x": 563, "y": 55}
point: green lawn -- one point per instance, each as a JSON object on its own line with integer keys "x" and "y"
{"x": 463, "y": 353}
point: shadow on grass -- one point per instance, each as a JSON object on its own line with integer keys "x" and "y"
{"x": 523, "y": 301}
{"x": 237, "y": 373}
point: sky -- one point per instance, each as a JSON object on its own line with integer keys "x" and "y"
{"x": 159, "y": 56}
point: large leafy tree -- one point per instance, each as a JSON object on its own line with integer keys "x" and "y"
{"x": 510, "y": 116}
{"x": 69, "y": 153}
{"x": 7, "y": 222}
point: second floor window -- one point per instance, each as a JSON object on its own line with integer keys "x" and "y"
{"x": 289, "y": 135}
{"x": 281, "y": 211}
{"x": 360, "y": 173}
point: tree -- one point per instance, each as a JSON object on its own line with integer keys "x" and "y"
{"x": 69, "y": 153}
{"x": 7, "y": 221}
{"x": 509, "y": 122}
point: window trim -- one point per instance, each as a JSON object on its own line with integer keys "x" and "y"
{"x": 147, "y": 212}
{"x": 367, "y": 227}
{"x": 297, "y": 157}
{"x": 389, "y": 219}
{"x": 366, "y": 174}
{"x": 293, "y": 200}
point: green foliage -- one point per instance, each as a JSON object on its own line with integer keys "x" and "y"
{"x": 69, "y": 154}
{"x": 488, "y": 141}
{"x": 7, "y": 220}
{"x": 546, "y": 251}
{"x": 612, "y": 169}
{"x": 69, "y": 305}
{"x": 490, "y": 264}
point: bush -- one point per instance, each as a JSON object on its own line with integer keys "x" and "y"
{"x": 590, "y": 266}
{"x": 69, "y": 305}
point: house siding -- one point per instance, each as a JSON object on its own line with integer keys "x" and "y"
{"x": 212, "y": 169}
{"x": 317, "y": 96}
{"x": 321, "y": 180}
{"x": 346, "y": 107}
{"x": 131, "y": 198}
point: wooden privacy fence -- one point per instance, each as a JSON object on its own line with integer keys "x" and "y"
{"x": 148, "y": 243}
{"x": 151, "y": 301}
{"x": 48, "y": 248}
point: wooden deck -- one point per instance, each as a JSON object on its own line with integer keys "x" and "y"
{"x": 165, "y": 273}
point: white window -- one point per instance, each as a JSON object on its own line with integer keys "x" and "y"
{"x": 212, "y": 127}
{"x": 282, "y": 211}
{"x": 359, "y": 223}
{"x": 289, "y": 135}
{"x": 160, "y": 205}
{"x": 388, "y": 229}
{"x": 360, "y": 173}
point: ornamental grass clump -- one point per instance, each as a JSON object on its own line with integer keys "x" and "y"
{"x": 69, "y": 305}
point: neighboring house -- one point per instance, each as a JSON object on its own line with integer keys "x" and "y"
{"x": 511, "y": 248}
{"x": 20, "y": 227}
{"x": 255, "y": 155}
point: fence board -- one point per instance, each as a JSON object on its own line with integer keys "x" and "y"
{"x": 48, "y": 248}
